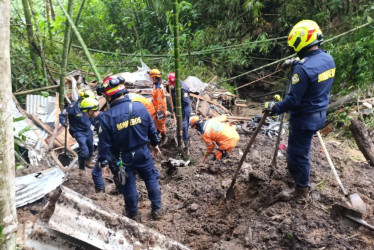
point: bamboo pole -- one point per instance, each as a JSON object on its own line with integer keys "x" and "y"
{"x": 65, "y": 54}
{"x": 177, "y": 72}
{"x": 35, "y": 90}
{"x": 76, "y": 24}
{"x": 97, "y": 75}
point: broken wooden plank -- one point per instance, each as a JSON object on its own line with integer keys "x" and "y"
{"x": 212, "y": 102}
{"x": 239, "y": 118}
{"x": 35, "y": 90}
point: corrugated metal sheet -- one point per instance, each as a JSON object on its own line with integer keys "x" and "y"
{"x": 42, "y": 107}
{"x": 78, "y": 217}
{"x": 32, "y": 187}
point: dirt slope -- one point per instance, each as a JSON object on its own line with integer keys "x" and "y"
{"x": 198, "y": 216}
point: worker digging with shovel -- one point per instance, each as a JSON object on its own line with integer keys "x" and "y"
{"x": 307, "y": 100}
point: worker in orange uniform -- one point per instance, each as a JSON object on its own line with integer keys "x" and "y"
{"x": 159, "y": 102}
{"x": 147, "y": 103}
{"x": 216, "y": 131}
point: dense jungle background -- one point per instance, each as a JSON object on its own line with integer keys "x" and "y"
{"x": 217, "y": 38}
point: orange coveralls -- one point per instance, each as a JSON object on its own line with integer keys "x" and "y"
{"x": 159, "y": 103}
{"x": 148, "y": 105}
{"x": 223, "y": 134}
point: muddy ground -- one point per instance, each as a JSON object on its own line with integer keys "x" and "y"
{"x": 198, "y": 216}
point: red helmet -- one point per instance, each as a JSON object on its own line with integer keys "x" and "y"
{"x": 171, "y": 78}
{"x": 113, "y": 85}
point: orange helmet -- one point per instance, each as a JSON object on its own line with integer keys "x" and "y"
{"x": 154, "y": 73}
{"x": 195, "y": 120}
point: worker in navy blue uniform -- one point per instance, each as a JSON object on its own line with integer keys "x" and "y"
{"x": 307, "y": 100}
{"x": 124, "y": 131}
{"x": 90, "y": 106}
{"x": 79, "y": 128}
{"x": 186, "y": 105}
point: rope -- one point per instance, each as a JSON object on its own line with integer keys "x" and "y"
{"x": 293, "y": 55}
{"x": 258, "y": 79}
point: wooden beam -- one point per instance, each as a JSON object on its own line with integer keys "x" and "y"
{"x": 35, "y": 90}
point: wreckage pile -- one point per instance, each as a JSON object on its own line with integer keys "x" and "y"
{"x": 59, "y": 209}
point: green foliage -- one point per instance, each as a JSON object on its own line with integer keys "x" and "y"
{"x": 342, "y": 117}
{"x": 217, "y": 37}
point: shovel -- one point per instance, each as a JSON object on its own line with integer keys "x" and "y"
{"x": 230, "y": 191}
{"x": 350, "y": 214}
{"x": 354, "y": 200}
{"x": 64, "y": 158}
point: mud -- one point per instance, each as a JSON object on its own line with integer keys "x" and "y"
{"x": 199, "y": 216}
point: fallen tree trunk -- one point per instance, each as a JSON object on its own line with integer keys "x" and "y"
{"x": 343, "y": 100}
{"x": 364, "y": 143}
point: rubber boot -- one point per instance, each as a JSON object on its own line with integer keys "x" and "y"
{"x": 158, "y": 214}
{"x": 81, "y": 163}
{"x": 135, "y": 217}
{"x": 88, "y": 162}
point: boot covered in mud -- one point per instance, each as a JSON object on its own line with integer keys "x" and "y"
{"x": 100, "y": 189}
{"x": 298, "y": 193}
{"x": 134, "y": 217}
{"x": 158, "y": 214}
{"x": 88, "y": 162}
{"x": 81, "y": 163}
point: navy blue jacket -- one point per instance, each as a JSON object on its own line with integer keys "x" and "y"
{"x": 311, "y": 82}
{"x": 118, "y": 132}
{"x": 185, "y": 94}
{"x": 78, "y": 121}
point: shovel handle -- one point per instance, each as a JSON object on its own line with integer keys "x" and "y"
{"x": 331, "y": 164}
{"x": 262, "y": 121}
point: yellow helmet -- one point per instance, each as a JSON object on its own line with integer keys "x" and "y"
{"x": 154, "y": 73}
{"x": 89, "y": 104}
{"x": 304, "y": 35}
{"x": 195, "y": 120}
{"x": 85, "y": 93}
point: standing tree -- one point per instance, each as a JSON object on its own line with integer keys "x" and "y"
{"x": 8, "y": 215}
{"x": 30, "y": 34}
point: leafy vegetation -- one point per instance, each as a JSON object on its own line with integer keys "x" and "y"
{"x": 218, "y": 37}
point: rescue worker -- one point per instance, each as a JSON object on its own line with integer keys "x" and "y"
{"x": 79, "y": 128}
{"x": 216, "y": 131}
{"x": 124, "y": 131}
{"x": 90, "y": 106}
{"x": 159, "y": 102}
{"x": 307, "y": 100}
{"x": 148, "y": 104}
{"x": 186, "y": 104}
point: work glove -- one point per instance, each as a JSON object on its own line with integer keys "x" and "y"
{"x": 290, "y": 62}
{"x": 268, "y": 106}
